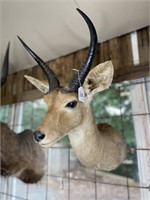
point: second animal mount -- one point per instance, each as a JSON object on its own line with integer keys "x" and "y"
{"x": 96, "y": 146}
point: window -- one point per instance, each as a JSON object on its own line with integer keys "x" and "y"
{"x": 65, "y": 178}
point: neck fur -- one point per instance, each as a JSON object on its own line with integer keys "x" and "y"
{"x": 85, "y": 129}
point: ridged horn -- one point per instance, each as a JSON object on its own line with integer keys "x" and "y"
{"x": 51, "y": 76}
{"x": 74, "y": 83}
{"x": 5, "y": 66}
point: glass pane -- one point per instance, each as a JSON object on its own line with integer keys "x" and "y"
{"x": 58, "y": 162}
{"x": 132, "y": 163}
{"x": 134, "y": 193}
{"x": 111, "y": 192}
{"x": 57, "y": 188}
{"x": 125, "y": 99}
{"x": 105, "y": 104}
{"x": 39, "y": 111}
{"x": 82, "y": 190}
{"x": 4, "y": 113}
{"x": 20, "y": 188}
{"x": 37, "y": 191}
{"x": 27, "y": 115}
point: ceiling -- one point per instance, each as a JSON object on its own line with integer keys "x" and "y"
{"x": 53, "y": 28}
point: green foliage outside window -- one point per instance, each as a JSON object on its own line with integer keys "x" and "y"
{"x": 4, "y": 113}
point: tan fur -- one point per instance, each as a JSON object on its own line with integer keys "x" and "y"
{"x": 99, "y": 146}
{"x": 20, "y": 155}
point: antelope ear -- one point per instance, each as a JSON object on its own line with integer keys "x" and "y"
{"x": 40, "y": 85}
{"x": 98, "y": 79}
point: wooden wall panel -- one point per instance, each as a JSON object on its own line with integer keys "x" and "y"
{"x": 114, "y": 52}
{"x": 3, "y": 90}
{"x": 119, "y": 50}
{"x": 143, "y": 44}
{"x": 10, "y": 85}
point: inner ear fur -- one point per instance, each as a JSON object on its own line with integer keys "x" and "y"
{"x": 41, "y": 85}
{"x": 99, "y": 78}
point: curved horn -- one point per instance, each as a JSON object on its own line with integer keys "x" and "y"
{"x": 5, "y": 67}
{"x": 51, "y": 77}
{"x": 74, "y": 83}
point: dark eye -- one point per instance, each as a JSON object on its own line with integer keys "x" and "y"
{"x": 71, "y": 104}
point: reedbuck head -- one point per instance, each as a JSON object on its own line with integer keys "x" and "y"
{"x": 99, "y": 146}
{"x": 65, "y": 111}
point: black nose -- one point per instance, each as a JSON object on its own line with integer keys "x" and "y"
{"x": 38, "y": 136}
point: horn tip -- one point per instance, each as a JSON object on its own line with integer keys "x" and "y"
{"x": 8, "y": 44}
{"x": 80, "y": 11}
{"x": 19, "y": 38}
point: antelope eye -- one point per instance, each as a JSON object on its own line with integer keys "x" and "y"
{"x": 71, "y": 104}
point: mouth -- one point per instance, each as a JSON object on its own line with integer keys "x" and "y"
{"x": 49, "y": 144}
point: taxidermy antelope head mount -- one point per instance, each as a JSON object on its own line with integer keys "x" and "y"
{"x": 20, "y": 156}
{"x": 96, "y": 146}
